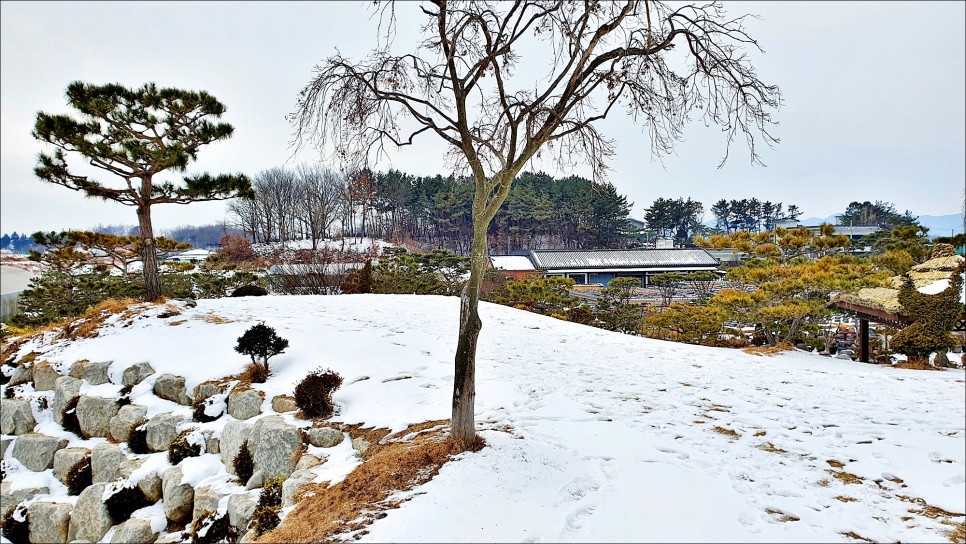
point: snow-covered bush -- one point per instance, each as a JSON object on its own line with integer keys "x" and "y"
{"x": 209, "y": 409}
{"x": 188, "y": 443}
{"x": 14, "y": 525}
{"x": 123, "y": 499}
{"x": 313, "y": 395}
{"x": 209, "y": 529}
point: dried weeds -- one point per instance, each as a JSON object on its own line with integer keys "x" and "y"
{"x": 769, "y": 350}
{"x": 390, "y": 465}
{"x": 726, "y": 432}
{"x": 856, "y": 536}
{"x": 768, "y": 446}
{"x": 846, "y": 477}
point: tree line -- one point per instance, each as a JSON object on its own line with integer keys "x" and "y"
{"x": 434, "y": 211}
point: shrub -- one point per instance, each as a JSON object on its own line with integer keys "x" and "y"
{"x": 137, "y": 440}
{"x": 9, "y": 392}
{"x": 126, "y": 499}
{"x": 269, "y": 503}
{"x": 15, "y": 527}
{"x": 261, "y": 343}
{"x": 182, "y": 447}
{"x": 211, "y": 530}
{"x": 124, "y": 396}
{"x": 69, "y": 417}
{"x": 201, "y": 406}
{"x": 249, "y": 291}
{"x": 359, "y": 280}
{"x": 313, "y": 395}
{"x": 79, "y": 476}
{"x": 254, "y": 373}
{"x": 271, "y": 495}
{"x": 264, "y": 520}
{"x": 243, "y": 463}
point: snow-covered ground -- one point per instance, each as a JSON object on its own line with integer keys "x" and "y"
{"x": 593, "y": 435}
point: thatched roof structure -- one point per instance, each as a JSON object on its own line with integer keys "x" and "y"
{"x": 881, "y": 304}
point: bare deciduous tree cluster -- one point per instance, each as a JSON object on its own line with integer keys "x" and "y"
{"x": 291, "y": 204}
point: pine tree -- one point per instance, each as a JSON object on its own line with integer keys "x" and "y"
{"x": 136, "y": 134}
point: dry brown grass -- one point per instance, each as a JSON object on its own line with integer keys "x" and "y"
{"x": 928, "y": 510}
{"x": 726, "y": 432}
{"x": 856, "y": 536}
{"x": 823, "y": 483}
{"x": 846, "y": 477}
{"x": 210, "y": 317}
{"x": 768, "y": 446}
{"x": 781, "y": 516}
{"x": 843, "y": 498}
{"x": 87, "y": 325}
{"x": 835, "y": 464}
{"x": 916, "y": 363}
{"x": 253, "y": 373}
{"x": 958, "y": 533}
{"x": 179, "y": 322}
{"x": 389, "y": 465}
{"x": 769, "y": 350}
{"x": 760, "y": 433}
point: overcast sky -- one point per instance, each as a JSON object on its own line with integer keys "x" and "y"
{"x": 874, "y": 101}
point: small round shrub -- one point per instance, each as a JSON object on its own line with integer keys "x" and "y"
{"x": 181, "y": 447}
{"x": 249, "y": 291}
{"x": 313, "y": 395}
{"x": 137, "y": 440}
{"x": 124, "y": 396}
{"x": 69, "y": 417}
{"x": 125, "y": 500}
{"x": 79, "y": 476}
{"x": 243, "y": 463}
{"x": 15, "y": 525}
{"x": 211, "y": 530}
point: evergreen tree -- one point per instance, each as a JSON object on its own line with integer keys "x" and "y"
{"x": 5, "y": 241}
{"x": 136, "y": 134}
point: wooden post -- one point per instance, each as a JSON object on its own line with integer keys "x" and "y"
{"x": 863, "y": 340}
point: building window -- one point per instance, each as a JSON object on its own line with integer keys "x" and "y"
{"x": 579, "y": 279}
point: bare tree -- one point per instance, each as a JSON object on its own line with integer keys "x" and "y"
{"x": 319, "y": 203}
{"x": 459, "y": 85}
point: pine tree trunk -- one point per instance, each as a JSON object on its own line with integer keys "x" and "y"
{"x": 464, "y": 383}
{"x": 149, "y": 256}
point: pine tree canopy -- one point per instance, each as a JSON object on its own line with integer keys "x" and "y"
{"x": 135, "y": 134}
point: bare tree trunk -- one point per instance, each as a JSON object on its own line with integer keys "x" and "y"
{"x": 464, "y": 383}
{"x": 149, "y": 256}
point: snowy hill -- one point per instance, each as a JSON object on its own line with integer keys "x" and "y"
{"x": 592, "y": 435}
